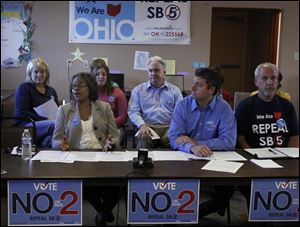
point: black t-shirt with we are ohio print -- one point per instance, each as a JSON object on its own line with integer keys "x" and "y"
{"x": 266, "y": 124}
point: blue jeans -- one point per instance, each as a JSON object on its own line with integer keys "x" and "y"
{"x": 44, "y": 132}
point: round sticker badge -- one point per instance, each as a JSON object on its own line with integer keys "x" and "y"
{"x": 280, "y": 123}
{"x": 210, "y": 125}
{"x": 111, "y": 98}
{"x": 76, "y": 122}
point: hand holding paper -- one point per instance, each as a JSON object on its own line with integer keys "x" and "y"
{"x": 147, "y": 131}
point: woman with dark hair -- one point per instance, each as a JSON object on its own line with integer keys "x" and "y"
{"x": 109, "y": 92}
{"x": 87, "y": 123}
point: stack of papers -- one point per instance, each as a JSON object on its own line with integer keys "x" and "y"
{"x": 217, "y": 161}
{"x": 277, "y": 152}
{"x": 121, "y": 156}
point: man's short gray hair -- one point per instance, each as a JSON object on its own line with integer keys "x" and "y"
{"x": 157, "y": 59}
{"x": 266, "y": 65}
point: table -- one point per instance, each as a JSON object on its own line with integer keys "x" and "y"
{"x": 114, "y": 173}
{"x": 117, "y": 173}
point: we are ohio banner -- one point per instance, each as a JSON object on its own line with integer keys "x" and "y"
{"x": 130, "y": 22}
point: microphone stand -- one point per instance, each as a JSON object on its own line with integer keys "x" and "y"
{"x": 142, "y": 161}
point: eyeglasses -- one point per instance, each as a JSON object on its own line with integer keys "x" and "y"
{"x": 79, "y": 87}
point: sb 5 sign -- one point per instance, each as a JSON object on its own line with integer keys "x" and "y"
{"x": 48, "y": 202}
{"x": 163, "y": 201}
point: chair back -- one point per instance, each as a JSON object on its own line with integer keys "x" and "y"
{"x": 118, "y": 78}
{"x": 8, "y": 106}
{"x": 177, "y": 80}
{"x": 238, "y": 97}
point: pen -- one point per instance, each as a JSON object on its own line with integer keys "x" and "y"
{"x": 272, "y": 151}
{"x": 280, "y": 152}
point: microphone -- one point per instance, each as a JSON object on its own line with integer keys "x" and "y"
{"x": 142, "y": 161}
{"x": 142, "y": 156}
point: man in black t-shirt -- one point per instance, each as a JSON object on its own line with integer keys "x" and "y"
{"x": 265, "y": 119}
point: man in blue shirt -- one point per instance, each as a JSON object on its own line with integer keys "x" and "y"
{"x": 151, "y": 105}
{"x": 203, "y": 122}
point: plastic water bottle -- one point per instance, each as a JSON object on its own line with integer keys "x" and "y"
{"x": 26, "y": 145}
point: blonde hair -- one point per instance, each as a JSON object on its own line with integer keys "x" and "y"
{"x": 40, "y": 63}
{"x": 157, "y": 59}
{"x": 266, "y": 65}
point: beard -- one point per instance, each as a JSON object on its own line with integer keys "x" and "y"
{"x": 269, "y": 92}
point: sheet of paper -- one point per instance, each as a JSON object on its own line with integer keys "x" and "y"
{"x": 160, "y": 155}
{"x": 15, "y": 151}
{"x": 51, "y": 156}
{"x": 60, "y": 161}
{"x": 112, "y": 156}
{"x": 221, "y": 155}
{"x": 292, "y": 152}
{"x": 223, "y": 166}
{"x": 266, "y": 152}
{"x": 170, "y": 67}
{"x": 169, "y": 156}
{"x": 141, "y": 60}
{"x": 266, "y": 163}
{"x": 47, "y": 109}
{"x": 153, "y": 136}
{"x": 129, "y": 155}
{"x": 82, "y": 156}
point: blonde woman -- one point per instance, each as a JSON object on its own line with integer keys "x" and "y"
{"x": 32, "y": 93}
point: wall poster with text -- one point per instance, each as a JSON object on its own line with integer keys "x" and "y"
{"x": 129, "y": 22}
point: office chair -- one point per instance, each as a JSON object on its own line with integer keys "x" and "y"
{"x": 123, "y": 141}
{"x": 238, "y": 97}
{"x": 131, "y": 130}
{"x": 177, "y": 80}
{"x": 118, "y": 78}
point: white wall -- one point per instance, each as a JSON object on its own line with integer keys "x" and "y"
{"x": 50, "y": 41}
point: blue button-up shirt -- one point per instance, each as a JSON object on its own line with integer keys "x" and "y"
{"x": 214, "y": 126}
{"x": 151, "y": 105}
